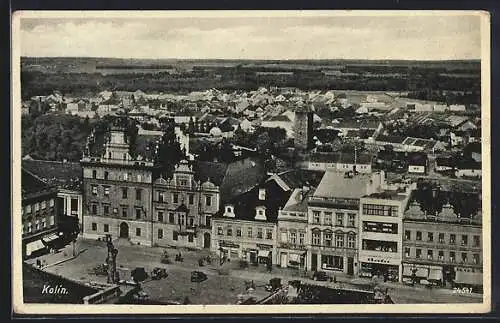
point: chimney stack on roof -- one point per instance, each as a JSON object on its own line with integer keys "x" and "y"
{"x": 262, "y": 194}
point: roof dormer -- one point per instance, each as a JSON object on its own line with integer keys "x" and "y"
{"x": 229, "y": 211}
{"x": 260, "y": 213}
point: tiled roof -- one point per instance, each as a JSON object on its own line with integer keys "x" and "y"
{"x": 61, "y": 174}
{"x": 31, "y": 184}
{"x": 341, "y": 158}
{"x": 297, "y": 178}
{"x": 335, "y": 184}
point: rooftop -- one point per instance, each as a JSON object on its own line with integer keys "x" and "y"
{"x": 65, "y": 175}
{"x": 336, "y": 184}
{"x": 298, "y": 200}
{"x": 32, "y": 185}
{"x": 341, "y": 158}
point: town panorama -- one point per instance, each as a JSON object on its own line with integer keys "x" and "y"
{"x": 251, "y": 182}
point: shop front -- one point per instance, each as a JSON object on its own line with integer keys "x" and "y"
{"x": 292, "y": 259}
{"x": 229, "y": 250}
{"x": 386, "y": 268}
{"x": 469, "y": 278}
{"x": 34, "y": 248}
{"x": 426, "y": 274}
{"x": 264, "y": 255}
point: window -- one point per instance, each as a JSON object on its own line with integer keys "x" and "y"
{"x": 441, "y": 255}
{"x": 351, "y": 241}
{"x": 381, "y": 210}
{"x": 191, "y": 222}
{"x": 293, "y": 237}
{"x": 139, "y": 178}
{"x": 328, "y": 218}
{"x": 464, "y": 257}
{"x": 477, "y": 241}
{"x": 316, "y": 238}
{"x": 301, "y": 238}
{"x": 94, "y": 208}
{"x": 94, "y": 190}
{"x": 407, "y": 235}
{"x": 351, "y": 219}
{"x": 175, "y": 198}
{"x": 418, "y": 253}
{"x": 175, "y": 235}
{"x": 220, "y": 231}
{"x": 419, "y": 236}
{"x": 106, "y": 209}
{"x": 160, "y": 233}
{"x": 407, "y": 252}
{"x": 94, "y": 173}
{"x": 452, "y": 256}
{"x": 94, "y": 226}
{"x": 259, "y": 233}
{"x": 106, "y": 175}
{"x": 160, "y": 216}
{"x": 171, "y": 218}
{"x": 269, "y": 234}
{"x": 339, "y": 219}
{"x": 183, "y": 182}
{"x": 339, "y": 240}
{"x": 249, "y": 232}
{"x": 441, "y": 237}
{"x": 452, "y": 239}
{"x": 30, "y": 227}
{"x": 44, "y": 205}
{"x": 124, "y": 192}
{"x": 52, "y": 220}
{"x": 208, "y": 220}
{"x": 138, "y": 232}
{"x": 51, "y": 202}
{"x": 284, "y": 237}
{"x": 137, "y": 213}
{"x": 208, "y": 200}
{"x": 229, "y": 232}
{"x": 44, "y": 223}
{"x": 106, "y": 228}
{"x": 124, "y": 212}
{"x": 28, "y": 209}
{"x": 475, "y": 258}
{"x": 316, "y": 215}
{"x": 190, "y": 238}
{"x": 370, "y": 226}
{"x": 37, "y": 225}
{"x": 125, "y": 177}
{"x": 129, "y": 176}
{"x": 191, "y": 199}
{"x": 181, "y": 219}
{"x": 161, "y": 196}
{"x": 138, "y": 193}
{"x": 106, "y": 191}
{"x": 430, "y": 236}
{"x": 430, "y": 254}
{"x": 464, "y": 240}
{"x": 328, "y": 238}
{"x": 238, "y": 232}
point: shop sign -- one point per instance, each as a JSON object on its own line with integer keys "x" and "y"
{"x": 264, "y": 246}
{"x": 229, "y": 244}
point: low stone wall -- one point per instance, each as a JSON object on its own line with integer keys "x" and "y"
{"x": 102, "y": 296}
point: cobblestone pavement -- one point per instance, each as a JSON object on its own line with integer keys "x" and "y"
{"x": 92, "y": 253}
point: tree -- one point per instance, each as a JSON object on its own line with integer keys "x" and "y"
{"x": 169, "y": 150}
{"x": 226, "y": 151}
{"x": 430, "y": 198}
{"x": 465, "y": 204}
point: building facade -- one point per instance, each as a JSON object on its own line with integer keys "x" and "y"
{"x": 183, "y": 209}
{"x": 39, "y": 214}
{"x": 333, "y": 217}
{"x": 443, "y": 248}
{"x": 117, "y": 195}
{"x": 303, "y": 128}
{"x": 380, "y": 234}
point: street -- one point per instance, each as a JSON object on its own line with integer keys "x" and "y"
{"x": 218, "y": 288}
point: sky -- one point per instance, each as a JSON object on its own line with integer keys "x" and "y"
{"x": 410, "y": 37}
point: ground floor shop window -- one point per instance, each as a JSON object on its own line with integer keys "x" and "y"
{"x": 385, "y": 272}
{"x": 332, "y": 262}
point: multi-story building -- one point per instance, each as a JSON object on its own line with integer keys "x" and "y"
{"x": 333, "y": 220}
{"x": 39, "y": 214}
{"x": 444, "y": 248}
{"x": 117, "y": 191}
{"x": 67, "y": 176}
{"x": 246, "y": 226}
{"x": 380, "y": 233}
{"x": 183, "y": 209}
{"x": 292, "y": 230}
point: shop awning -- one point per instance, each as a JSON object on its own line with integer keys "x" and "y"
{"x": 422, "y": 272}
{"x": 50, "y": 238}
{"x": 34, "y": 246}
{"x": 407, "y": 270}
{"x": 264, "y": 253}
{"x": 469, "y": 278}
{"x": 435, "y": 274}
{"x": 294, "y": 257}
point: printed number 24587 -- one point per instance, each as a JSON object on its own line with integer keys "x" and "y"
{"x": 463, "y": 290}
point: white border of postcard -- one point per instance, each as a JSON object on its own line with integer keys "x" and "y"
{"x": 20, "y": 308}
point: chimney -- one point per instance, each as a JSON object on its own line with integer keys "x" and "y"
{"x": 260, "y": 213}
{"x": 262, "y": 194}
{"x": 229, "y": 211}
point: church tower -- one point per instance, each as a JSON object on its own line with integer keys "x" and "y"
{"x": 303, "y": 128}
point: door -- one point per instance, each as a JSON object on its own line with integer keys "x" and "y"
{"x": 350, "y": 266}
{"x": 123, "y": 230}
{"x": 206, "y": 240}
{"x": 314, "y": 262}
{"x": 283, "y": 260}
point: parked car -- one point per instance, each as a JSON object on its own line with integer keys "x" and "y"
{"x": 198, "y": 276}
{"x": 320, "y": 276}
{"x": 139, "y": 274}
{"x": 159, "y": 273}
